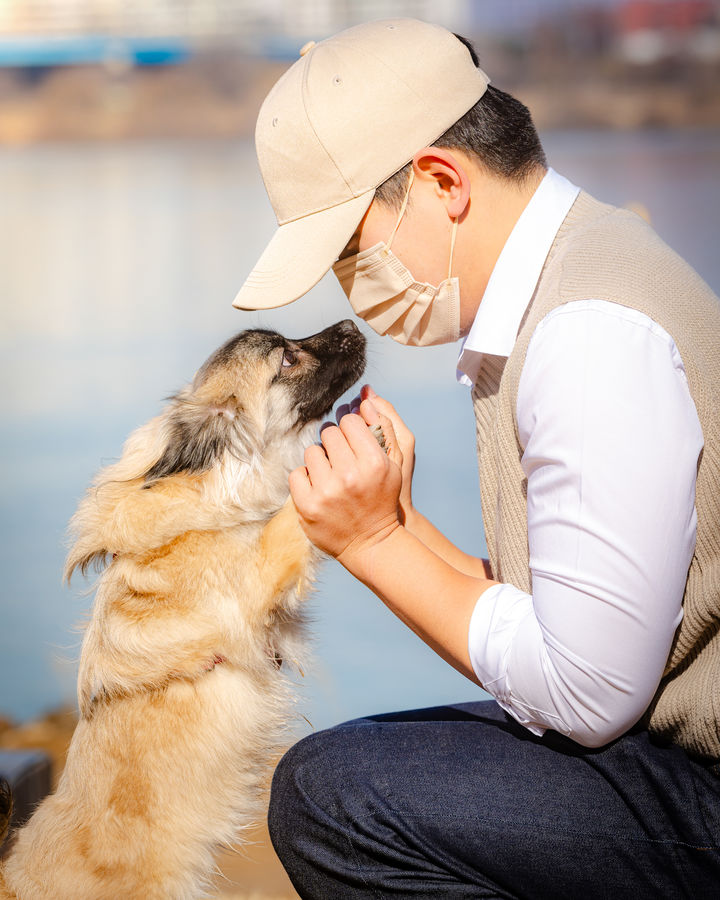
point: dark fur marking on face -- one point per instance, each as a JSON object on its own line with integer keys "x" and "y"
{"x": 340, "y": 350}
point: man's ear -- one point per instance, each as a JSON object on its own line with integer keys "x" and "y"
{"x": 450, "y": 175}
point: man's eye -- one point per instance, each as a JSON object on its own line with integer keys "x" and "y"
{"x": 289, "y": 359}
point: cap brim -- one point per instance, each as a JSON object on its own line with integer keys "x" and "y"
{"x": 300, "y": 253}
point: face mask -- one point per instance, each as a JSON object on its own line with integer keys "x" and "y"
{"x": 382, "y": 291}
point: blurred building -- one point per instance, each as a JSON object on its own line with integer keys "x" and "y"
{"x": 638, "y": 31}
{"x": 215, "y": 18}
{"x": 650, "y": 31}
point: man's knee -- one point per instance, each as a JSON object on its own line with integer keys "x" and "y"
{"x": 286, "y": 796}
{"x": 300, "y": 786}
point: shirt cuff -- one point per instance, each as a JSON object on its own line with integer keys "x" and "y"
{"x": 494, "y": 623}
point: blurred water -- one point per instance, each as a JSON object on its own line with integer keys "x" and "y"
{"x": 118, "y": 264}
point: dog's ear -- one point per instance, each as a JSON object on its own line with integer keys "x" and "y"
{"x": 197, "y": 434}
{"x": 83, "y": 558}
{"x": 87, "y": 530}
{"x": 118, "y": 515}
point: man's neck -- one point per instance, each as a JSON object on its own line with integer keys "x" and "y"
{"x": 496, "y": 204}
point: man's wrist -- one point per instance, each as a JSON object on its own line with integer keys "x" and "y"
{"x": 412, "y": 518}
{"x": 360, "y": 557}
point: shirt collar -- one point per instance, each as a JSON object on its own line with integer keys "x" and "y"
{"x": 516, "y": 273}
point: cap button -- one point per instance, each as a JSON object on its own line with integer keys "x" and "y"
{"x": 306, "y": 48}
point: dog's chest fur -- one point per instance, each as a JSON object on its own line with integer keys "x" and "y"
{"x": 232, "y": 595}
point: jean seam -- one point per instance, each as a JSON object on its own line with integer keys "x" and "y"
{"x": 592, "y": 835}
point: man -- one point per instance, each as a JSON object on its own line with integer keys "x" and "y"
{"x": 592, "y": 351}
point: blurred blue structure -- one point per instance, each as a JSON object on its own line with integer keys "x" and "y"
{"x": 44, "y": 51}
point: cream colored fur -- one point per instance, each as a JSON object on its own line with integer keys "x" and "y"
{"x": 183, "y": 703}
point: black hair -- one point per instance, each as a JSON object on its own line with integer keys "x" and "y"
{"x": 498, "y": 131}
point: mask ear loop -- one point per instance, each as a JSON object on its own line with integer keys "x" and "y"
{"x": 452, "y": 247}
{"x": 402, "y": 209}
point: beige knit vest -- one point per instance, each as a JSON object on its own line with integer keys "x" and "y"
{"x": 605, "y": 253}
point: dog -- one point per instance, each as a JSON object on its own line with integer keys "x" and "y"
{"x": 184, "y": 704}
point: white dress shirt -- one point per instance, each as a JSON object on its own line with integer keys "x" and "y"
{"x": 611, "y": 441}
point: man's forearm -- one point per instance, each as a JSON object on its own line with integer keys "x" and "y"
{"x": 424, "y": 590}
{"x": 425, "y": 531}
{"x": 347, "y": 496}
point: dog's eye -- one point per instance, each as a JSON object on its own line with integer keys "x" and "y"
{"x": 289, "y": 359}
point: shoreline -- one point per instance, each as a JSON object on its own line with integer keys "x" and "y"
{"x": 219, "y": 96}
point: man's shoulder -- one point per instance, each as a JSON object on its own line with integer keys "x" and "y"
{"x": 593, "y": 229}
{"x": 606, "y": 252}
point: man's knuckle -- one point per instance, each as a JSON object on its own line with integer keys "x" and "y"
{"x": 377, "y": 465}
{"x": 322, "y": 495}
{"x": 350, "y": 481}
{"x": 310, "y": 513}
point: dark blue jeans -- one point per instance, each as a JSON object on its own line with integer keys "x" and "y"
{"x": 463, "y": 802}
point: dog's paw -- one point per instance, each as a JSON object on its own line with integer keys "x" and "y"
{"x": 379, "y": 435}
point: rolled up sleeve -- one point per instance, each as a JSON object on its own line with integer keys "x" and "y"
{"x": 611, "y": 442}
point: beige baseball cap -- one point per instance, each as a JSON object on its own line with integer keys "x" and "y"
{"x": 352, "y": 111}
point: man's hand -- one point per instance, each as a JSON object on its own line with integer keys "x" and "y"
{"x": 401, "y": 448}
{"x": 348, "y": 498}
{"x": 347, "y": 493}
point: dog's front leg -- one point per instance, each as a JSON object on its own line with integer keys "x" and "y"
{"x": 285, "y": 554}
